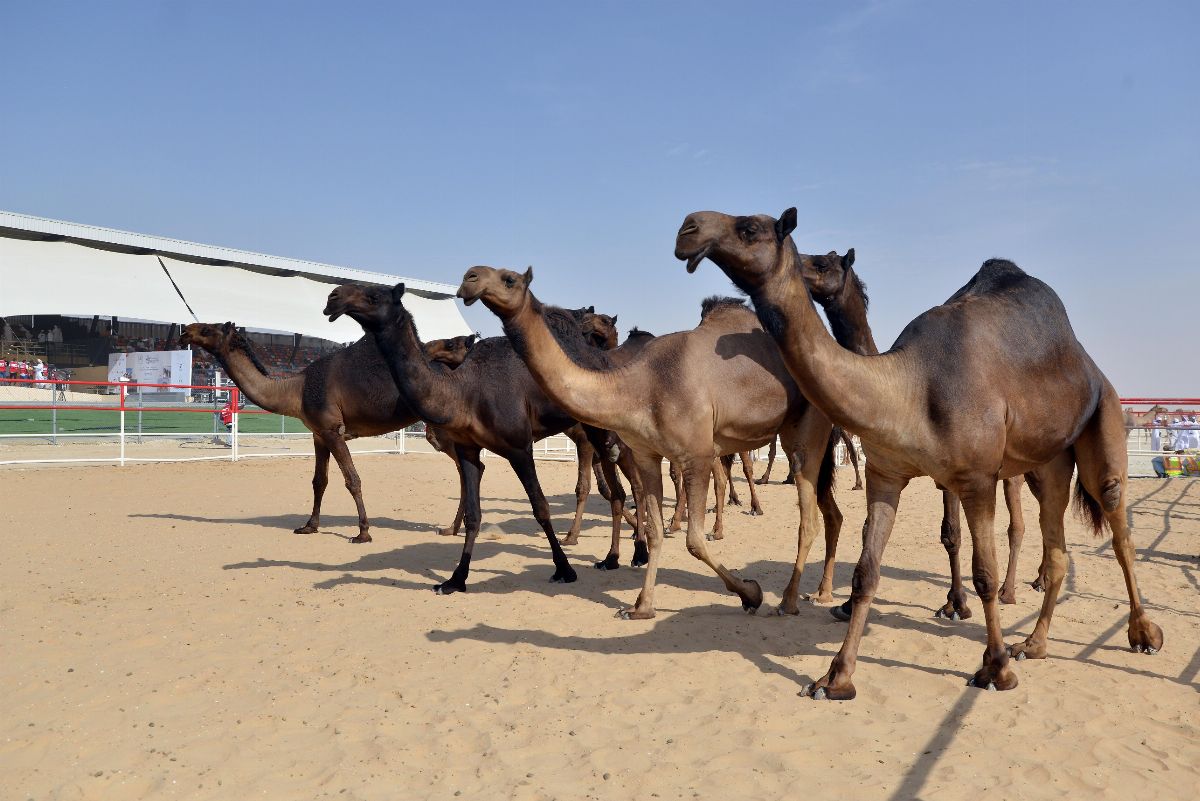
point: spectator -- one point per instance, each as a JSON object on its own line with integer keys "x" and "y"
{"x": 39, "y": 373}
{"x": 3, "y": 368}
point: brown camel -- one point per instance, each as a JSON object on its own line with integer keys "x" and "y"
{"x": 991, "y": 384}
{"x": 642, "y": 401}
{"x": 490, "y": 402}
{"x": 342, "y": 395}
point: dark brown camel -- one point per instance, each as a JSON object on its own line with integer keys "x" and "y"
{"x": 991, "y": 384}
{"x": 490, "y": 402}
{"x": 642, "y": 401}
{"x": 342, "y": 395}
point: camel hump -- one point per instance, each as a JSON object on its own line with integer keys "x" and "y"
{"x": 996, "y": 276}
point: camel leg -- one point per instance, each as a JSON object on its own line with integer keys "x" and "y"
{"x": 721, "y": 483}
{"x": 727, "y": 470}
{"x": 452, "y": 529}
{"x": 832, "y": 517}
{"x": 649, "y": 470}
{"x": 748, "y": 472}
{"x": 1051, "y": 485}
{"x": 1102, "y": 460}
{"x": 680, "y": 517}
{"x": 523, "y": 465}
{"x": 603, "y": 488}
{"x": 804, "y": 450}
{"x": 766, "y": 476}
{"x": 956, "y": 599}
{"x": 584, "y": 452}
{"x": 883, "y": 496}
{"x": 320, "y": 481}
{"x": 341, "y": 454}
{"x": 470, "y": 473}
{"x": 695, "y": 476}
{"x": 616, "y": 501}
{"x": 1016, "y": 535}
{"x": 641, "y": 554}
{"x": 852, "y": 452}
{"x": 979, "y": 503}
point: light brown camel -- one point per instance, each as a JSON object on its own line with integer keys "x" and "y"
{"x": 642, "y": 401}
{"x": 346, "y": 394}
{"x": 490, "y": 402}
{"x": 991, "y": 384}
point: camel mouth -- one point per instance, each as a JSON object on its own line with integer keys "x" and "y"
{"x": 694, "y": 260}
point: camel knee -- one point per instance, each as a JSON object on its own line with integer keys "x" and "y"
{"x": 1110, "y": 494}
{"x": 865, "y": 581}
{"x": 951, "y": 537}
{"x": 696, "y": 546}
{"x": 986, "y": 585}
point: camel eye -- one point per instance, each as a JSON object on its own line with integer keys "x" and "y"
{"x": 509, "y": 281}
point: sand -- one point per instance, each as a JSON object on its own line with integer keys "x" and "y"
{"x": 163, "y": 634}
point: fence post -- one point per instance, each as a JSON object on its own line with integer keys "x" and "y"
{"x": 122, "y": 415}
{"x": 233, "y": 398}
{"x": 139, "y": 439}
{"x": 54, "y": 417}
{"x": 403, "y": 441}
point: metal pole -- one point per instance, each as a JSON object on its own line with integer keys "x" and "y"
{"x": 233, "y": 398}
{"x": 122, "y": 414}
{"x": 139, "y": 439}
{"x": 53, "y": 417}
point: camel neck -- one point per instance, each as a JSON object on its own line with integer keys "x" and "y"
{"x": 279, "y": 396}
{"x": 848, "y": 387}
{"x": 582, "y": 392}
{"x": 847, "y": 315}
{"x": 426, "y": 391}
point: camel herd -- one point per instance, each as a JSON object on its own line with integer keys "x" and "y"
{"x": 989, "y": 386}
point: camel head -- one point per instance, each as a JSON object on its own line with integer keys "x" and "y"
{"x": 449, "y": 351}
{"x": 213, "y": 337}
{"x": 372, "y": 307}
{"x": 826, "y": 275}
{"x": 504, "y": 292}
{"x": 747, "y": 249}
{"x": 598, "y": 329}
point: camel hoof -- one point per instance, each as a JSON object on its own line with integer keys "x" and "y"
{"x": 564, "y": 575}
{"x": 449, "y": 588}
{"x": 842, "y": 611}
{"x": 782, "y": 610}
{"x": 820, "y": 694}
{"x": 1020, "y": 657}
{"x": 634, "y": 614}
{"x": 1011, "y": 598}
{"x": 569, "y": 539}
{"x": 364, "y": 537}
{"x": 755, "y": 512}
{"x": 610, "y": 562}
{"x": 446, "y": 532}
{"x": 305, "y": 530}
{"x": 754, "y": 597}
{"x": 641, "y": 555}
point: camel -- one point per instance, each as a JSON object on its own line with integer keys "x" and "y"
{"x": 989, "y": 385}
{"x": 643, "y": 402}
{"x": 838, "y": 433}
{"x": 490, "y": 402}
{"x": 340, "y": 396}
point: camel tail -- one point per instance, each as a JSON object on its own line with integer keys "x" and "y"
{"x": 1088, "y": 509}
{"x": 827, "y": 476}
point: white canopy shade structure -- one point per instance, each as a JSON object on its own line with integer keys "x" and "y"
{"x": 52, "y": 267}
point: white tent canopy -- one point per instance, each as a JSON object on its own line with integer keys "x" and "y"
{"x": 59, "y": 272}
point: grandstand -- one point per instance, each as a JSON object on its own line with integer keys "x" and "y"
{"x": 121, "y": 292}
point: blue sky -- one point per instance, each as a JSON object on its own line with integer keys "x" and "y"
{"x": 421, "y": 140}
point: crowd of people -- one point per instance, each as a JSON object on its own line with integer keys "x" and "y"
{"x": 1179, "y": 438}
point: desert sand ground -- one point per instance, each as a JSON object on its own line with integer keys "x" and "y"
{"x": 164, "y": 635}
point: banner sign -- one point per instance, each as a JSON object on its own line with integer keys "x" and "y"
{"x": 152, "y": 367}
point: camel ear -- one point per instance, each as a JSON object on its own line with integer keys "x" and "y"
{"x": 528, "y": 275}
{"x": 614, "y": 319}
{"x": 471, "y": 340}
{"x": 786, "y": 224}
{"x": 591, "y": 309}
{"x": 848, "y": 259}
{"x": 227, "y": 328}
{"x": 398, "y": 292}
